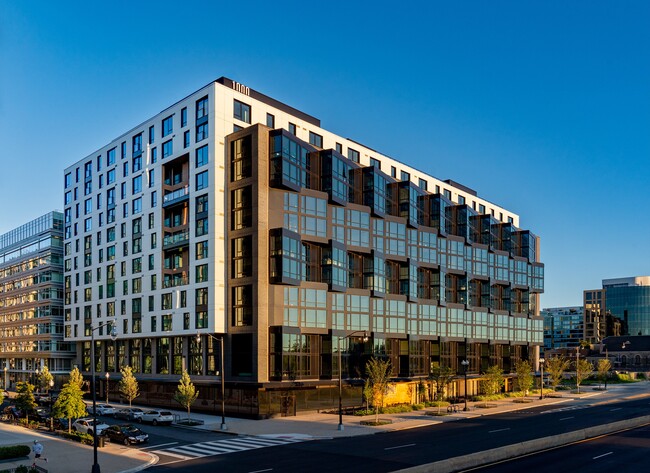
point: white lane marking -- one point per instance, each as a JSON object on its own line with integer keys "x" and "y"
{"x": 261, "y": 471}
{"x": 615, "y": 409}
{"x": 603, "y": 455}
{"x": 182, "y": 457}
{"x": 158, "y": 446}
{"x": 400, "y": 446}
{"x": 567, "y": 418}
{"x": 498, "y": 430}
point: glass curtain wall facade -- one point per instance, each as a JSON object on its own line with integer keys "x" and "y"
{"x": 31, "y": 302}
{"x": 563, "y": 327}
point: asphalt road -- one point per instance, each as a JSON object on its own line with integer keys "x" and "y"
{"x": 625, "y": 452}
{"x": 403, "y": 449}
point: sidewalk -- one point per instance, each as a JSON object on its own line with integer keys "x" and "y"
{"x": 65, "y": 456}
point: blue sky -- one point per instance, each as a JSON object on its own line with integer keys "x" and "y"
{"x": 541, "y": 106}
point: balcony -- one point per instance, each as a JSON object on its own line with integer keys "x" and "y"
{"x": 177, "y": 239}
{"x": 175, "y": 281}
{"x": 179, "y": 195}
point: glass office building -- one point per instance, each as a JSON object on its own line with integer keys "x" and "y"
{"x": 563, "y": 327}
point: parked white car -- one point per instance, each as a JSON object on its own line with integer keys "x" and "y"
{"x": 104, "y": 410}
{"x": 157, "y": 417}
{"x": 87, "y": 426}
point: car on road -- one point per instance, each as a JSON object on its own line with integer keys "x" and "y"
{"x": 126, "y": 434}
{"x": 157, "y": 417}
{"x": 88, "y": 426}
{"x": 129, "y": 413}
{"x": 41, "y": 414}
{"x": 104, "y": 410}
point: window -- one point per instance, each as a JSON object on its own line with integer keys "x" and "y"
{"x": 393, "y": 172}
{"x": 154, "y": 155}
{"x": 110, "y": 157}
{"x": 125, "y": 169}
{"x": 405, "y": 176}
{"x": 353, "y": 155}
{"x": 339, "y": 148}
{"x": 202, "y": 108}
{"x": 68, "y": 180}
{"x": 137, "y": 206}
{"x": 123, "y": 190}
{"x": 110, "y": 176}
{"x": 202, "y": 226}
{"x": 152, "y": 134}
{"x": 201, "y": 132}
{"x": 202, "y": 156}
{"x": 270, "y": 120}
{"x": 201, "y": 273}
{"x": 202, "y": 180}
{"x": 152, "y": 177}
{"x": 202, "y": 250}
{"x": 242, "y": 111}
{"x": 292, "y": 128}
{"x": 167, "y": 126}
{"x": 186, "y": 139}
{"x": 123, "y": 150}
{"x": 316, "y": 140}
{"x": 167, "y": 148}
{"x": 137, "y": 164}
{"x": 183, "y": 117}
{"x": 154, "y": 199}
{"x": 375, "y": 163}
{"x": 201, "y": 204}
{"x": 423, "y": 184}
{"x": 137, "y": 144}
{"x": 136, "y": 184}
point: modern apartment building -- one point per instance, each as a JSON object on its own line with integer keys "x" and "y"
{"x": 31, "y": 302}
{"x": 563, "y": 327}
{"x": 234, "y": 215}
{"x": 621, "y": 307}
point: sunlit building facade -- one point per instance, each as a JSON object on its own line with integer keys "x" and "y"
{"x": 563, "y": 327}
{"x": 31, "y": 301}
{"x": 234, "y": 215}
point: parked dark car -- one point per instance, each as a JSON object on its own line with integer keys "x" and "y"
{"x": 129, "y": 413}
{"x": 41, "y": 414}
{"x": 126, "y": 434}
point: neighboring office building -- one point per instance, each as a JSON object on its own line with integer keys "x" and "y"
{"x": 621, "y": 307}
{"x": 31, "y": 301}
{"x": 563, "y": 327}
{"x": 287, "y": 240}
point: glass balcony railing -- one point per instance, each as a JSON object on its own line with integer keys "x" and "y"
{"x": 176, "y": 239}
{"x": 177, "y": 195}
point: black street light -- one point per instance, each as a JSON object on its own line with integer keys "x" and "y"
{"x": 223, "y": 385}
{"x": 338, "y": 345}
{"x": 107, "y": 376}
{"x": 113, "y": 335}
{"x": 541, "y": 380}
{"x": 465, "y": 364}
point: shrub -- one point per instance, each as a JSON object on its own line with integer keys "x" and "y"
{"x": 14, "y": 451}
{"x": 86, "y": 439}
{"x": 396, "y": 409}
{"x": 493, "y": 397}
{"x": 436, "y": 404}
{"x": 417, "y": 407}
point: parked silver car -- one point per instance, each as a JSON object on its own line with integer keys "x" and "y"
{"x": 104, "y": 410}
{"x": 157, "y": 417}
{"x": 88, "y": 425}
{"x": 129, "y": 413}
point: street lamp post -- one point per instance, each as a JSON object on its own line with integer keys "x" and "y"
{"x": 6, "y": 376}
{"x": 36, "y": 373}
{"x": 465, "y": 364}
{"x": 541, "y": 379}
{"x": 107, "y": 376}
{"x": 338, "y": 345}
{"x": 223, "y": 375}
{"x": 113, "y": 335}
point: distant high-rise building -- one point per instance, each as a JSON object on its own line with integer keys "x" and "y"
{"x": 621, "y": 307}
{"x": 31, "y": 301}
{"x": 563, "y": 327}
{"x": 236, "y": 216}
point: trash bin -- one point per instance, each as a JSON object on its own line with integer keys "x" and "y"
{"x": 100, "y": 442}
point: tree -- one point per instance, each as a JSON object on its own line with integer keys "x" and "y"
{"x": 584, "y": 369}
{"x": 186, "y": 393}
{"x": 70, "y": 403}
{"x": 25, "y": 398}
{"x": 44, "y": 379}
{"x": 378, "y": 372}
{"x": 524, "y": 376}
{"x": 555, "y": 368}
{"x": 2, "y": 396}
{"x": 128, "y": 385}
{"x": 603, "y": 368}
{"x": 441, "y": 376}
{"x": 493, "y": 381}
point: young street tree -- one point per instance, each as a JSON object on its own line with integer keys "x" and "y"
{"x": 555, "y": 368}
{"x": 584, "y": 369}
{"x": 378, "y": 372}
{"x": 603, "y": 368}
{"x": 25, "y": 398}
{"x": 524, "y": 376}
{"x": 70, "y": 403}
{"x": 440, "y": 377}
{"x": 44, "y": 379}
{"x": 493, "y": 381}
{"x": 186, "y": 393}
{"x": 128, "y": 385}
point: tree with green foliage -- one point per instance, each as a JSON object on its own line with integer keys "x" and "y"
{"x": 524, "y": 376}
{"x": 186, "y": 393}
{"x": 378, "y": 373}
{"x": 128, "y": 385}
{"x": 584, "y": 369}
{"x": 2, "y": 396}
{"x": 441, "y": 377}
{"x": 25, "y": 398}
{"x": 493, "y": 380}
{"x": 555, "y": 368}
{"x": 44, "y": 379}
{"x": 70, "y": 403}
{"x": 603, "y": 367}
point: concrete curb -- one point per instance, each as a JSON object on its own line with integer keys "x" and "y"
{"x": 486, "y": 457}
{"x": 152, "y": 461}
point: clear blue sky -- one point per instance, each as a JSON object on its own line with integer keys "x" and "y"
{"x": 541, "y": 106}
